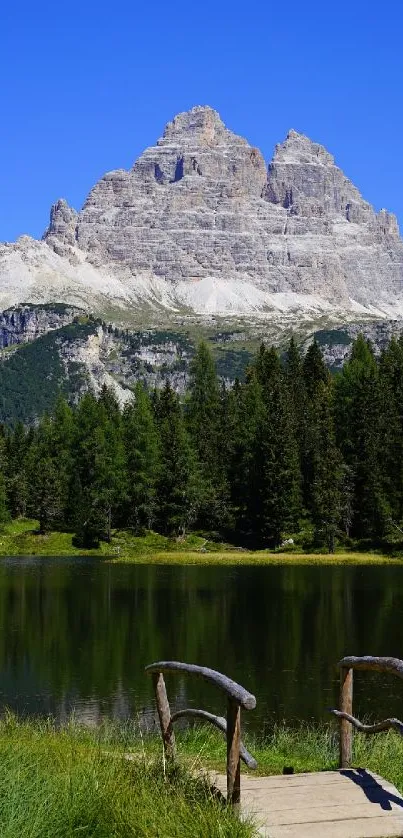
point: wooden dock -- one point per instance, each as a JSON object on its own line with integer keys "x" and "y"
{"x": 351, "y": 803}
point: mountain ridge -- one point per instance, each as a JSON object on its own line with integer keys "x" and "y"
{"x": 201, "y": 226}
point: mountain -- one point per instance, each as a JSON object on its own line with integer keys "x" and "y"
{"x": 200, "y": 228}
{"x": 55, "y": 349}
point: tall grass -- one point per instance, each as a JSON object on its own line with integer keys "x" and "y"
{"x": 76, "y": 782}
{"x": 60, "y": 784}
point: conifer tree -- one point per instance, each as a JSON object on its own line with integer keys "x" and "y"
{"x": 275, "y": 495}
{"x": 178, "y": 491}
{"x": 62, "y": 454}
{"x": 17, "y": 447}
{"x": 110, "y": 404}
{"x": 244, "y": 477}
{"x": 328, "y": 473}
{"x": 357, "y": 413}
{"x": 44, "y": 477}
{"x": 230, "y": 434}
{"x": 4, "y": 511}
{"x": 296, "y": 387}
{"x": 315, "y": 377}
{"x": 203, "y": 406}
{"x": 98, "y": 471}
{"x": 47, "y": 494}
{"x": 391, "y": 429}
{"x": 109, "y": 485}
{"x": 314, "y": 370}
{"x": 204, "y": 413}
{"x": 142, "y": 453}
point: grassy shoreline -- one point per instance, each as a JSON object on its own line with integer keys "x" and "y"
{"x": 21, "y": 538}
{"x": 78, "y": 780}
{"x": 71, "y": 781}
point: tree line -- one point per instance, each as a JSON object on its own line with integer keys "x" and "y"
{"x": 291, "y": 449}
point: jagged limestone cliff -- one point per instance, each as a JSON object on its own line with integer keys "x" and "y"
{"x": 201, "y": 227}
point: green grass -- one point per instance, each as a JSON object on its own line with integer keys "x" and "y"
{"x": 77, "y": 781}
{"x": 262, "y": 557}
{"x": 65, "y": 783}
{"x": 21, "y": 538}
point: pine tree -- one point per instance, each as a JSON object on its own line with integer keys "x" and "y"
{"x": 178, "y": 491}
{"x": 275, "y": 490}
{"x": 48, "y": 494}
{"x": 203, "y": 406}
{"x": 43, "y": 475}
{"x": 204, "y": 414}
{"x": 228, "y": 446}
{"x": 328, "y": 473}
{"x": 109, "y": 486}
{"x": 296, "y": 387}
{"x": 315, "y": 377}
{"x": 17, "y": 447}
{"x": 62, "y": 454}
{"x": 98, "y": 473}
{"x": 142, "y": 452}
{"x": 243, "y": 476}
{"x": 391, "y": 429}
{"x": 109, "y": 402}
{"x": 314, "y": 369}
{"x": 358, "y": 428}
{"x": 4, "y": 511}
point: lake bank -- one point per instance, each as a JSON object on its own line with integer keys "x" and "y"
{"x": 112, "y": 779}
{"x": 21, "y": 538}
{"x": 60, "y": 782}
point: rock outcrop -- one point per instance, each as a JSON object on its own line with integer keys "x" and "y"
{"x": 23, "y": 324}
{"x": 201, "y": 225}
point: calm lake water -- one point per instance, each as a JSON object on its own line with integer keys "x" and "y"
{"x": 77, "y": 634}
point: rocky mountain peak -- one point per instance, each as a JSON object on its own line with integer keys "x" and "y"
{"x": 298, "y": 148}
{"x": 61, "y": 232}
{"x": 201, "y": 124}
{"x": 200, "y": 225}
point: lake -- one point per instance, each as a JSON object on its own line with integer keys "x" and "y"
{"x": 76, "y": 635}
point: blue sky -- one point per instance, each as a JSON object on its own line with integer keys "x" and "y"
{"x": 85, "y": 88}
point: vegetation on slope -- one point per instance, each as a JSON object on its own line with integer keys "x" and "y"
{"x": 290, "y": 452}
{"x": 33, "y": 375}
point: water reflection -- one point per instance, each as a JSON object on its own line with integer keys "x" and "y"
{"x": 77, "y": 634}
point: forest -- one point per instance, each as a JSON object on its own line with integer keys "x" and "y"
{"x": 290, "y": 451}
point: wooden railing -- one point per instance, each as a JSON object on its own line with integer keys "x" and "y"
{"x": 393, "y": 666}
{"x": 237, "y": 697}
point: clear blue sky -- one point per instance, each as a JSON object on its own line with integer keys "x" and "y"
{"x": 86, "y": 87}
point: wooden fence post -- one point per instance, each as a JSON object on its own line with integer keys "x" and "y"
{"x": 233, "y": 752}
{"x": 346, "y": 706}
{"x": 164, "y": 714}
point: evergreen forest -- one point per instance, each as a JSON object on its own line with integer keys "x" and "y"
{"x": 291, "y": 451}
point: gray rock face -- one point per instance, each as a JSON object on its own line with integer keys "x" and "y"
{"x": 200, "y": 224}
{"x": 336, "y": 344}
{"x": 26, "y": 323}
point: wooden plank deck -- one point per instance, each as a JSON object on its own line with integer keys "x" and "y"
{"x": 351, "y": 803}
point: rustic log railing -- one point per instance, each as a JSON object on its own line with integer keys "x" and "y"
{"x": 393, "y": 666}
{"x": 237, "y": 697}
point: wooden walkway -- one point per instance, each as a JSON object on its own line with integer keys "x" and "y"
{"x": 351, "y": 803}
